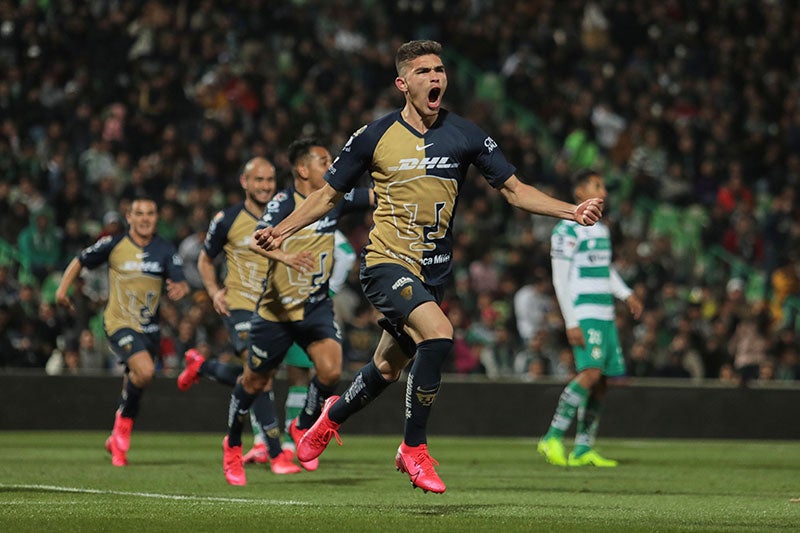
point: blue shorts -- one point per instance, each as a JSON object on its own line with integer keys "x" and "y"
{"x": 125, "y": 342}
{"x": 269, "y": 341}
{"x": 395, "y": 291}
{"x": 238, "y": 326}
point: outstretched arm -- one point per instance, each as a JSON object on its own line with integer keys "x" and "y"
{"x": 532, "y": 200}
{"x": 312, "y": 209}
{"x": 70, "y": 275}
{"x": 302, "y": 261}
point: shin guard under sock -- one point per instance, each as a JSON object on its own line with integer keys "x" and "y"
{"x": 238, "y": 412}
{"x": 366, "y": 386}
{"x": 424, "y": 380}
{"x": 317, "y": 394}
{"x": 129, "y": 403}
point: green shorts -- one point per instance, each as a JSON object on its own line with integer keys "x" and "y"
{"x": 296, "y": 356}
{"x": 602, "y": 348}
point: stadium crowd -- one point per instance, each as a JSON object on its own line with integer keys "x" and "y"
{"x": 690, "y": 109}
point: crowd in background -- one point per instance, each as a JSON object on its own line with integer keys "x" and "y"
{"x": 690, "y": 109}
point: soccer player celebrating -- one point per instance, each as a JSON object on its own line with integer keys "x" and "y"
{"x": 229, "y": 233}
{"x": 418, "y": 157}
{"x": 294, "y": 305}
{"x": 140, "y": 264}
{"x": 586, "y": 284}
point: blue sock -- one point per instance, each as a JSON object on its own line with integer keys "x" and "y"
{"x": 264, "y": 411}
{"x": 366, "y": 386}
{"x": 221, "y": 372}
{"x": 424, "y": 379}
{"x": 238, "y": 412}
{"x": 129, "y": 402}
{"x": 317, "y": 394}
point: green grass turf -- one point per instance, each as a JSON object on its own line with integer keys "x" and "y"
{"x": 64, "y": 481}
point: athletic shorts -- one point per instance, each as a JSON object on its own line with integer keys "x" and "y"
{"x": 270, "y": 341}
{"x": 238, "y": 326}
{"x": 395, "y": 291}
{"x": 602, "y": 349}
{"x": 125, "y": 342}
{"x": 296, "y": 356}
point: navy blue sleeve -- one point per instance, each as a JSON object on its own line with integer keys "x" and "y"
{"x": 174, "y": 266}
{"x": 356, "y": 200}
{"x": 277, "y": 209}
{"x": 354, "y": 159}
{"x": 488, "y": 157}
{"x": 217, "y": 234}
{"x": 97, "y": 254}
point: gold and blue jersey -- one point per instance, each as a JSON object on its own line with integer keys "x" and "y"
{"x": 416, "y": 179}
{"x": 136, "y": 279}
{"x": 229, "y": 232}
{"x": 288, "y": 293}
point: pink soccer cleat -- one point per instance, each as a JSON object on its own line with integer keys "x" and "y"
{"x": 418, "y": 464}
{"x": 316, "y": 439}
{"x": 257, "y": 454}
{"x": 119, "y": 442}
{"x": 297, "y": 434}
{"x": 189, "y": 376}
{"x": 232, "y": 464}
{"x": 283, "y": 464}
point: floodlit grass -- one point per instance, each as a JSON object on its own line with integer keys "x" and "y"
{"x": 64, "y": 481}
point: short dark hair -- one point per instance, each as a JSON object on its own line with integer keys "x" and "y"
{"x": 301, "y": 148}
{"x": 413, "y": 49}
{"x": 581, "y": 176}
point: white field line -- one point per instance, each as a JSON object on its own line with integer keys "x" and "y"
{"x": 155, "y": 495}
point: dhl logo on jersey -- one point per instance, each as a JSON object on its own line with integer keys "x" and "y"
{"x": 412, "y": 163}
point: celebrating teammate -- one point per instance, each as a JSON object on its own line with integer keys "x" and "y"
{"x": 418, "y": 157}
{"x": 229, "y": 234}
{"x": 294, "y": 305}
{"x": 586, "y": 284}
{"x": 140, "y": 263}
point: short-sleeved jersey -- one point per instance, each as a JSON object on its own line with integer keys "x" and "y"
{"x": 229, "y": 232}
{"x": 588, "y": 249}
{"x": 416, "y": 180}
{"x": 135, "y": 277}
{"x": 288, "y": 292}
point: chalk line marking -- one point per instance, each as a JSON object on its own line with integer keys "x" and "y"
{"x": 155, "y": 495}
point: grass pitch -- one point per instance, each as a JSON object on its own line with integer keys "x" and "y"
{"x": 64, "y": 481}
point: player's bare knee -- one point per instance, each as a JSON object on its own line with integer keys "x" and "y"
{"x": 590, "y": 377}
{"x": 254, "y": 382}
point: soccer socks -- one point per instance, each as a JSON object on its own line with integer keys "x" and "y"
{"x": 588, "y": 421}
{"x": 572, "y": 398}
{"x": 366, "y": 386}
{"x": 238, "y": 411}
{"x": 424, "y": 380}
{"x": 317, "y": 394}
{"x": 263, "y": 410}
{"x": 129, "y": 401}
{"x": 221, "y": 372}
{"x": 295, "y": 401}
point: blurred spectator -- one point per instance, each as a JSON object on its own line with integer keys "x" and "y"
{"x": 639, "y": 364}
{"x": 40, "y": 245}
{"x": 532, "y": 304}
{"x": 748, "y": 345}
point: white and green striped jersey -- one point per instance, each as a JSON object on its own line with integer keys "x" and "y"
{"x": 583, "y": 277}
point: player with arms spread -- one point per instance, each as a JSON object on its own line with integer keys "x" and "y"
{"x": 418, "y": 157}
{"x": 140, "y": 263}
{"x": 294, "y": 305}
{"x": 586, "y": 284}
